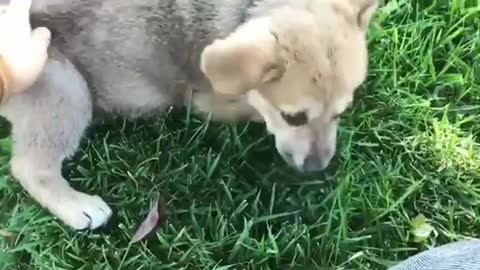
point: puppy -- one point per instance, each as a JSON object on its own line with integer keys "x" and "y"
{"x": 293, "y": 64}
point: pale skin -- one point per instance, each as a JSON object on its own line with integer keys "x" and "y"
{"x": 23, "y": 51}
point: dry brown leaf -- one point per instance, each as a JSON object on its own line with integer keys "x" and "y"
{"x": 156, "y": 217}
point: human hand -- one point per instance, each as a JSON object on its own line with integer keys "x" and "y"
{"x": 23, "y": 52}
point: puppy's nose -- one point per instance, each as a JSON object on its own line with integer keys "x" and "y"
{"x": 317, "y": 161}
{"x": 312, "y": 163}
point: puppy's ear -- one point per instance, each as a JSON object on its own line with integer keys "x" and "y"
{"x": 233, "y": 68}
{"x": 367, "y": 9}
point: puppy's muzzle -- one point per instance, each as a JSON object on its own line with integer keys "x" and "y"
{"x": 318, "y": 159}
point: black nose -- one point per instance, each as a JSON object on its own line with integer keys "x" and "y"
{"x": 313, "y": 163}
{"x": 318, "y": 160}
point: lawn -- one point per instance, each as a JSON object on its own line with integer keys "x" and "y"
{"x": 409, "y": 146}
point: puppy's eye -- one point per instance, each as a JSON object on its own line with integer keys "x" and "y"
{"x": 295, "y": 119}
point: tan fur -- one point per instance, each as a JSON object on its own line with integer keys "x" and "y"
{"x": 5, "y": 80}
{"x": 225, "y": 108}
{"x": 308, "y": 57}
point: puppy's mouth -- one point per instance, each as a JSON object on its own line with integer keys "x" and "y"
{"x": 289, "y": 159}
{"x": 311, "y": 163}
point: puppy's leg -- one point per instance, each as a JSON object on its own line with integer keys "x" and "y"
{"x": 48, "y": 122}
{"x": 223, "y": 108}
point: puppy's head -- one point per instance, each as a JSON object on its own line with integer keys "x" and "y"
{"x": 299, "y": 65}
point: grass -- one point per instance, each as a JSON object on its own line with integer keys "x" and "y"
{"x": 409, "y": 146}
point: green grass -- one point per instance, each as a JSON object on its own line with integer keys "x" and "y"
{"x": 409, "y": 146}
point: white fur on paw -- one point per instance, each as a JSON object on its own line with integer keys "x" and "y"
{"x": 82, "y": 211}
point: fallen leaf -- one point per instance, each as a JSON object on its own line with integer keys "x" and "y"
{"x": 420, "y": 228}
{"x": 155, "y": 218}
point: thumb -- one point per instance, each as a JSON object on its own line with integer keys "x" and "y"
{"x": 40, "y": 41}
{"x": 41, "y": 38}
{"x": 36, "y": 56}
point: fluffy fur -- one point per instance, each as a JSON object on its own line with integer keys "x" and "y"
{"x": 293, "y": 64}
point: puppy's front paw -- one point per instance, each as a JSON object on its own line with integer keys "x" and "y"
{"x": 82, "y": 211}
